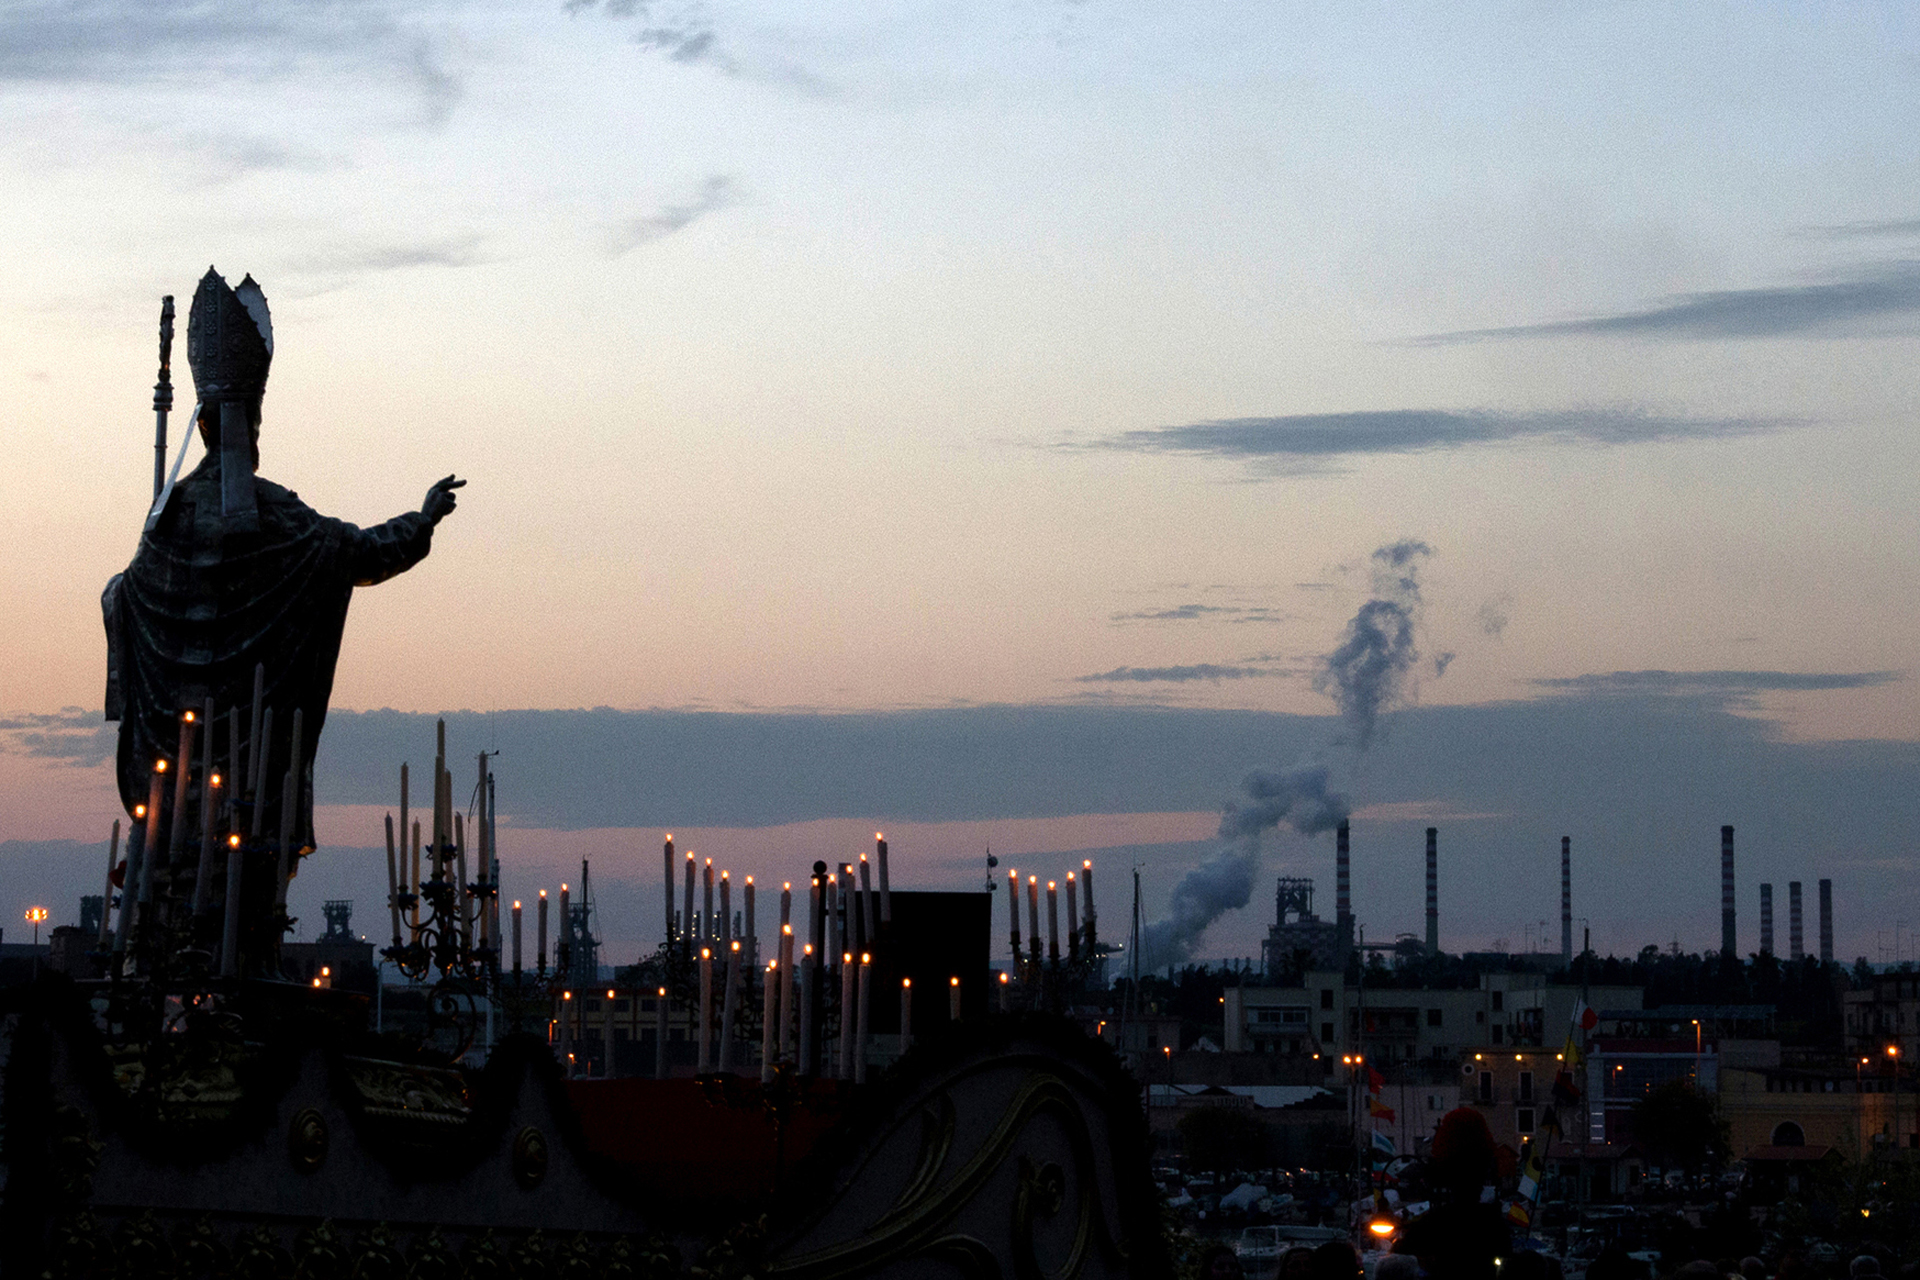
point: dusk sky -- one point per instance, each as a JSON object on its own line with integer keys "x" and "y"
{"x": 980, "y": 421}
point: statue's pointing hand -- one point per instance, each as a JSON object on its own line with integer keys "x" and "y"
{"x": 440, "y": 500}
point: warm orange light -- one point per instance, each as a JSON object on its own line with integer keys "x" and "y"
{"x": 139, "y": 811}
{"x": 807, "y": 950}
{"x": 1051, "y": 886}
{"x": 786, "y": 930}
{"x": 609, "y": 993}
{"x": 1087, "y": 864}
{"x": 233, "y": 841}
{"x": 663, "y": 993}
{"x": 566, "y": 995}
{"x": 159, "y": 766}
{"x": 723, "y": 875}
{"x": 214, "y": 780}
{"x": 1033, "y": 879}
{"x": 846, "y": 957}
{"x": 1893, "y": 1051}
{"x": 326, "y": 971}
{"x": 953, "y": 982}
{"x": 906, "y": 982}
{"x": 866, "y": 958}
{"x": 1381, "y": 1226}
{"x": 35, "y": 915}
{"x": 863, "y": 857}
{"x": 786, "y": 886}
{"x": 669, "y": 835}
{"x": 516, "y": 904}
{"x": 1069, "y": 877}
{"x": 749, "y": 879}
{"x": 564, "y": 888}
{"x": 736, "y": 946}
{"x": 706, "y": 954}
{"x": 878, "y": 836}
{"x": 1003, "y": 979}
{"x": 316, "y": 983}
{"x": 543, "y": 893}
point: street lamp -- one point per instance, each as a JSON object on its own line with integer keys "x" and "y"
{"x": 34, "y": 916}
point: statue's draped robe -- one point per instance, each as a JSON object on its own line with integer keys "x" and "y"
{"x": 198, "y": 608}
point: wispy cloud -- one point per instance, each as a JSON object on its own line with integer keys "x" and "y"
{"x": 122, "y": 41}
{"x": 366, "y": 258}
{"x": 1305, "y": 439}
{"x": 1177, "y": 675}
{"x": 1197, "y": 612}
{"x": 70, "y": 735}
{"x": 716, "y": 193}
{"x": 1834, "y": 307}
{"x": 1892, "y": 229}
{"x": 680, "y": 31}
{"x": 1726, "y": 683}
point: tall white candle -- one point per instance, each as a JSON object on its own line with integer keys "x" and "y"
{"x": 728, "y": 1006}
{"x": 1073, "y": 919}
{"x": 860, "y": 1031}
{"x": 769, "y": 1019}
{"x": 808, "y": 963}
{"x": 886, "y": 889}
{"x": 953, "y": 999}
{"x": 1053, "y": 922}
{"x": 752, "y": 951}
{"x": 540, "y": 936}
{"x": 705, "y": 1062}
{"x": 669, "y": 894}
{"x": 906, "y": 1013}
{"x": 848, "y": 1014}
{"x": 516, "y": 937}
{"x": 786, "y": 989}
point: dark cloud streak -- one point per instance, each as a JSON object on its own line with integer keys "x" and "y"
{"x": 716, "y": 193}
{"x": 1725, "y": 683}
{"x": 1835, "y": 307}
{"x": 1315, "y": 437}
{"x": 1176, "y": 675}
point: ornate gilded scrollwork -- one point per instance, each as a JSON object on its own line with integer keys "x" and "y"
{"x": 914, "y": 1227}
{"x": 307, "y": 1140}
{"x": 530, "y": 1157}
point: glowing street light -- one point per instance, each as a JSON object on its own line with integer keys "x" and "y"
{"x": 34, "y": 916}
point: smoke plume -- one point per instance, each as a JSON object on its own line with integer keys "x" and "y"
{"x": 1370, "y": 671}
{"x": 1296, "y": 796}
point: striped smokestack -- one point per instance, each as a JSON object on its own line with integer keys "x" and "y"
{"x": 1342, "y": 872}
{"x": 1433, "y": 891}
{"x": 1566, "y": 900}
{"x": 1766, "y": 919}
{"x": 1343, "y": 888}
{"x": 1826, "y": 922}
{"x": 1796, "y": 937}
{"x": 1729, "y": 942}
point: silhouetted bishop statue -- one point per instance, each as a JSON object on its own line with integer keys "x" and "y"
{"x": 235, "y": 573}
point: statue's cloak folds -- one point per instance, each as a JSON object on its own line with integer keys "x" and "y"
{"x": 200, "y": 606}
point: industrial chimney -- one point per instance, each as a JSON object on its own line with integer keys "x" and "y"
{"x": 1566, "y": 900}
{"x": 1729, "y": 942}
{"x": 1433, "y": 891}
{"x": 1766, "y": 919}
{"x": 1826, "y": 922}
{"x": 1343, "y": 888}
{"x": 1796, "y": 937}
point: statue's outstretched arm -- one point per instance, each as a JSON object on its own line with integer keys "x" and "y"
{"x": 393, "y": 548}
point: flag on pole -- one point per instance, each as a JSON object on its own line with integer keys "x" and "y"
{"x": 1384, "y": 1145}
{"x": 1379, "y": 1110}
